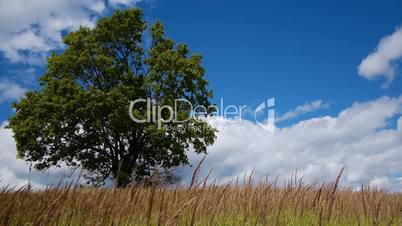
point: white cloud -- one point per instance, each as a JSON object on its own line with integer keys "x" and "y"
{"x": 10, "y": 91}
{"x": 359, "y": 138}
{"x": 124, "y": 2}
{"x": 303, "y": 109}
{"x": 381, "y": 62}
{"x": 362, "y": 138}
{"x": 30, "y": 29}
{"x": 15, "y": 172}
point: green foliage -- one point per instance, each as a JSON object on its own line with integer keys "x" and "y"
{"x": 79, "y": 116}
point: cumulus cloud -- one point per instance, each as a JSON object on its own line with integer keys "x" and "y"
{"x": 15, "y": 172}
{"x": 10, "y": 91}
{"x": 361, "y": 138}
{"x": 303, "y": 109}
{"x": 124, "y": 2}
{"x": 30, "y": 29}
{"x": 381, "y": 62}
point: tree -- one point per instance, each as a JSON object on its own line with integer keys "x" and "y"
{"x": 79, "y": 116}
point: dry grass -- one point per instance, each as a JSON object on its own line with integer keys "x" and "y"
{"x": 245, "y": 203}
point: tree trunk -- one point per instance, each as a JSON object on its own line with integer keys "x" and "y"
{"x": 121, "y": 176}
{"x": 121, "y": 181}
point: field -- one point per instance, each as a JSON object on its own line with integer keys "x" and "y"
{"x": 203, "y": 203}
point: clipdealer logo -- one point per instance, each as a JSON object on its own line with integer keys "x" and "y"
{"x": 263, "y": 115}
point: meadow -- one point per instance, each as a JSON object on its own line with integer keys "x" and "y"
{"x": 240, "y": 202}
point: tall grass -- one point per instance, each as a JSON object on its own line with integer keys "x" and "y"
{"x": 236, "y": 203}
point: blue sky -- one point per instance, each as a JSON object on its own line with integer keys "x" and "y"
{"x": 306, "y": 54}
{"x": 296, "y": 51}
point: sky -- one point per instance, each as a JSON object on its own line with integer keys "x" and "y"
{"x": 333, "y": 67}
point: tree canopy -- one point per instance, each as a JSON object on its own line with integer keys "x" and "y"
{"x": 79, "y": 116}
